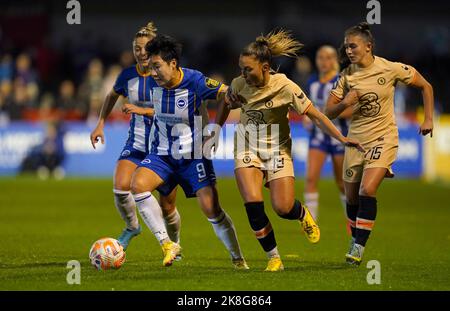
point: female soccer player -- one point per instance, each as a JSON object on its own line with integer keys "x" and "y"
{"x": 320, "y": 144}
{"x": 133, "y": 83}
{"x": 367, "y": 86}
{"x": 176, "y": 146}
{"x": 263, "y": 141}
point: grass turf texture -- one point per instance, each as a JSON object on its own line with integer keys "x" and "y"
{"x": 43, "y": 225}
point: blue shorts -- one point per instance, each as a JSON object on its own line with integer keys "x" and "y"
{"x": 131, "y": 154}
{"x": 319, "y": 140}
{"x": 191, "y": 175}
{"x": 136, "y": 156}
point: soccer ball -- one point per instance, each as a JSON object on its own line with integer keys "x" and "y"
{"x": 107, "y": 253}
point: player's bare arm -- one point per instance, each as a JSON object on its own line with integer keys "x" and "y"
{"x": 106, "y": 109}
{"x": 428, "y": 102}
{"x": 335, "y": 107}
{"x": 328, "y": 127}
{"x": 130, "y": 108}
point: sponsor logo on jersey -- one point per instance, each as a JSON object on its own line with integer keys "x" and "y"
{"x": 381, "y": 81}
{"x": 369, "y": 105}
{"x": 255, "y": 117}
{"x": 146, "y": 161}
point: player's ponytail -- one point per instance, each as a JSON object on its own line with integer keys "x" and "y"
{"x": 148, "y": 31}
{"x": 274, "y": 44}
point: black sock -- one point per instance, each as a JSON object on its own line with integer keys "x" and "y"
{"x": 261, "y": 225}
{"x": 352, "y": 212}
{"x": 297, "y": 212}
{"x": 365, "y": 220}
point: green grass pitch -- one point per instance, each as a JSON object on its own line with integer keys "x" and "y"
{"x": 43, "y": 225}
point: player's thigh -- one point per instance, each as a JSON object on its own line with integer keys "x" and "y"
{"x": 145, "y": 179}
{"x": 208, "y": 199}
{"x": 352, "y": 192}
{"x": 371, "y": 180}
{"x": 282, "y": 194}
{"x": 167, "y": 202}
{"x": 316, "y": 159}
{"x": 250, "y": 181}
{"x": 123, "y": 173}
{"x": 338, "y": 161}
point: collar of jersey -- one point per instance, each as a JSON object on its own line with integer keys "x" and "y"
{"x": 141, "y": 73}
{"x": 179, "y": 82}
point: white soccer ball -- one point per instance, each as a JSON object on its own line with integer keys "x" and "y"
{"x": 107, "y": 253}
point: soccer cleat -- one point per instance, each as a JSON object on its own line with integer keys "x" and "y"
{"x": 126, "y": 236}
{"x": 170, "y": 251}
{"x": 310, "y": 227}
{"x": 352, "y": 242}
{"x": 354, "y": 257}
{"x": 274, "y": 264}
{"x": 240, "y": 264}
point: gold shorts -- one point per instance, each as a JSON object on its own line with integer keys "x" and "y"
{"x": 277, "y": 166}
{"x": 379, "y": 154}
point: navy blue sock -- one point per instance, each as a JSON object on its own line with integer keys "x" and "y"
{"x": 297, "y": 212}
{"x": 352, "y": 213}
{"x": 261, "y": 225}
{"x": 365, "y": 220}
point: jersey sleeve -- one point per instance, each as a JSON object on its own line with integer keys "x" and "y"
{"x": 339, "y": 87}
{"x": 403, "y": 73}
{"x": 120, "y": 87}
{"x": 298, "y": 99}
{"x": 208, "y": 88}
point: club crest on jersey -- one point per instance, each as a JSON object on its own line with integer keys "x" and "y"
{"x": 369, "y": 105}
{"x": 181, "y": 103}
{"x": 269, "y": 104}
{"x": 211, "y": 83}
{"x": 381, "y": 81}
{"x": 349, "y": 173}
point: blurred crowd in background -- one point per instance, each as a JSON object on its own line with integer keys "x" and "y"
{"x": 50, "y": 70}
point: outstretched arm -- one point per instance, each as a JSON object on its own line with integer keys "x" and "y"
{"x": 328, "y": 127}
{"x": 428, "y": 102}
{"x": 106, "y": 109}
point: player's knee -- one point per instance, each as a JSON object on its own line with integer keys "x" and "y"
{"x": 282, "y": 206}
{"x": 122, "y": 185}
{"x": 368, "y": 190}
{"x": 138, "y": 185}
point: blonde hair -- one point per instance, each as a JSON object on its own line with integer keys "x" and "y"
{"x": 148, "y": 31}
{"x": 274, "y": 44}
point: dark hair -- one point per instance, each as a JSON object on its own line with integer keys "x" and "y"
{"x": 274, "y": 44}
{"x": 362, "y": 30}
{"x": 165, "y": 46}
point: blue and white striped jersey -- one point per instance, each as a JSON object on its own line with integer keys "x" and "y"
{"x": 318, "y": 92}
{"x": 134, "y": 85}
{"x": 179, "y": 114}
